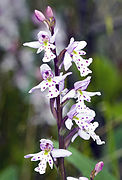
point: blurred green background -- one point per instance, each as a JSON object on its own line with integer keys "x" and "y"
{"x": 25, "y": 118}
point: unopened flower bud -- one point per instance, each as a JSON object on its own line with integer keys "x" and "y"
{"x": 98, "y": 167}
{"x": 49, "y": 12}
{"x": 39, "y": 15}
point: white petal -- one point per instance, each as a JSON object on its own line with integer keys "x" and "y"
{"x": 41, "y": 48}
{"x": 80, "y": 45}
{"x": 68, "y": 124}
{"x": 44, "y": 67}
{"x": 74, "y": 137}
{"x": 57, "y": 153}
{"x": 81, "y": 52}
{"x": 70, "y": 44}
{"x": 41, "y": 167}
{"x": 83, "y": 134}
{"x": 82, "y": 84}
{"x": 57, "y": 79}
{"x": 48, "y": 56}
{"x": 41, "y": 86}
{"x": 50, "y": 161}
{"x": 83, "y": 178}
{"x": 71, "y": 178}
{"x": 70, "y": 94}
{"x": 53, "y": 92}
{"x": 42, "y": 33}
{"x": 98, "y": 140}
{"x": 52, "y": 46}
{"x": 34, "y": 44}
{"x": 67, "y": 61}
{"x": 38, "y": 156}
{"x": 91, "y": 93}
{"x": 29, "y": 155}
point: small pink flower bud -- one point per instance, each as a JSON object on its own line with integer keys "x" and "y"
{"x": 98, "y": 167}
{"x": 49, "y": 12}
{"x": 39, "y": 15}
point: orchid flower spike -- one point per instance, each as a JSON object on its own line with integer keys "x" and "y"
{"x": 48, "y": 154}
{"x": 80, "y": 178}
{"x": 49, "y": 81}
{"x": 45, "y": 42}
{"x": 79, "y": 91}
{"x": 86, "y": 130}
{"x": 73, "y": 53}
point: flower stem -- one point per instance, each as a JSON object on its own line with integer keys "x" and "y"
{"x": 59, "y": 119}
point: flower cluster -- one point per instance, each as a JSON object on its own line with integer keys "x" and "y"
{"x": 54, "y": 87}
{"x": 82, "y": 115}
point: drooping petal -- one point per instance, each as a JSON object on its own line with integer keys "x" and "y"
{"x": 82, "y": 84}
{"x": 34, "y": 44}
{"x": 68, "y": 123}
{"x": 70, "y": 94}
{"x": 67, "y": 61}
{"x": 83, "y": 134}
{"x": 43, "y": 85}
{"x": 41, "y": 166}
{"x": 74, "y": 137}
{"x": 98, "y": 140}
{"x": 50, "y": 161}
{"x": 53, "y": 92}
{"x": 84, "y": 71}
{"x": 57, "y": 153}
{"x": 48, "y": 56}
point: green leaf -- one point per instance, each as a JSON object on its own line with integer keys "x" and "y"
{"x": 10, "y": 173}
{"x": 106, "y": 77}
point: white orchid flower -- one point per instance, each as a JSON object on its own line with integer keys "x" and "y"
{"x": 45, "y": 42}
{"x": 79, "y": 91}
{"x": 49, "y": 81}
{"x": 48, "y": 154}
{"x": 73, "y": 53}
